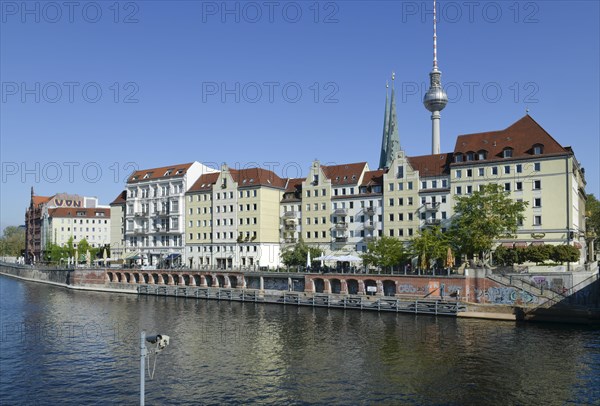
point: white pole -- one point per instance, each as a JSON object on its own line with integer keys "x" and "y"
{"x": 144, "y": 351}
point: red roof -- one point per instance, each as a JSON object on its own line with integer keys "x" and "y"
{"x": 204, "y": 182}
{"x": 172, "y": 171}
{"x": 521, "y": 136}
{"x": 345, "y": 174}
{"x": 431, "y": 165}
{"x": 39, "y": 200}
{"x": 257, "y": 176}
{"x": 373, "y": 178}
{"x": 121, "y": 199}
{"x": 73, "y": 212}
{"x": 294, "y": 184}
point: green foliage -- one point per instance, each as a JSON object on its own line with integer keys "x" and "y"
{"x": 538, "y": 254}
{"x": 565, "y": 253}
{"x": 296, "y": 256}
{"x": 57, "y": 254}
{"x": 430, "y": 244}
{"x": 12, "y": 241}
{"x": 592, "y": 212}
{"x": 483, "y": 217}
{"x": 385, "y": 252}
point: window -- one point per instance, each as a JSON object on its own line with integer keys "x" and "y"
{"x": 494, "y": 170}
{"x": 507, "y": 169}
{"x": 317, "y": 193}
{"x": 519, "y": 186}
{"x": 410, "y": 185}
{"x": 537, "y": 202}
{"x": 537, "y": 184}
{"x": 470, "y": 156}
{"x": 391, "y": 216}
{"x": 469, "y": 189}
{"x": 481, "y": 172}
{"x": 324, "y": 192}
{"x": 537, "y": 166}
{"x": 538, "y": 149}
{"x": 458, "y": 174}
{"x": 537, "y": 220}
{"x": 469, "y": 173}
{"x": 459, "y": 190}
{"x": 308, "y": 193}
{"x": 519, "y": 168}
{"x": 507, "y": 187}
{"x": 458, "y": 157}
{"x": 481, "y": 155}
{"x": 507, "y": 153}
{"x": 400, "y": 172}
{"x": 434, "y": 184}
{"x": 424, "y": 185}
{"x": 443, "y": 199}
{"x": 391, "y": 202}
{"x": 391, "y": 187}
{"x": 444, "y": 183}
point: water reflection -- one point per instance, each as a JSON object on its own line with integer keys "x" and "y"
{"x": 70, "y": 347}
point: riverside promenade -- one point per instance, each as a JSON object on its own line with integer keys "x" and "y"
{"x": 477, "y": 293}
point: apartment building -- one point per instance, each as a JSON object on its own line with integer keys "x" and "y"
{"x": 155, "y": 213}
{"x": 90, "y": 224}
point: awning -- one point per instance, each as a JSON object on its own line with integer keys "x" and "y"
{"x": 508, "y": 244}
{"x": 132, "y": 255}
{"x": 172, "y": 256}
{"x": 520, "y": 244}
{"x": 537, "y": 243}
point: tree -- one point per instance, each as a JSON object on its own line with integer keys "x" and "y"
{"x": 12, "y": 241}
{"x": 592, "y": 212}
{"x": 430, "y": 244}
{"x": 385, "y": 252}
{"x": 565, "y": 253}
{"x": 483, "y": 217}
{"x": 296, "y": 256}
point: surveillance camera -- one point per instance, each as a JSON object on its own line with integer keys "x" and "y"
{"x": 160, "y": 340}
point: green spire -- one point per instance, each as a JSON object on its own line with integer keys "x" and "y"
{"x": 384, "y": 140}
{"x": 393, "y": 140}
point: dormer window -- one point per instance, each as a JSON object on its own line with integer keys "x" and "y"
{"x": 146, "y": 176}
{"x": 168, "y": 173}
{"x": 179, "y": 172}
{"x": 481, "y": 155}
{"x": 507, "y": 153}
{"x": 470, "y": 156}
{"x": 538, "y": 149}
{"x": 458, "y": 157}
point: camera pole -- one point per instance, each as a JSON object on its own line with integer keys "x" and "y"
{"x": 144, "y": 351}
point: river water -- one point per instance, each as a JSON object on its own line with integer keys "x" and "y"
{"x": 60, "y": 346}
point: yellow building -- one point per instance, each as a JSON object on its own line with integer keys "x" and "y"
{"x": 237, "y": 223}
{"x": 90, "y": 224}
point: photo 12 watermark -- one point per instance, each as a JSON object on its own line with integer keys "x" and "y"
{"x": 69, "y": 92}
{"x": 71, "y": 172}
{"x": 253, "y": 12}
{"x": 475, "y": 92}
{"x": 69, "y": 12}
{"x": 270, "y": 92}
{"x": 452, "y": 12}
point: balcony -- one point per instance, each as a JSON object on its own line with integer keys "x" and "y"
{"x": 370, "y": 225}
{"x": 341, "y": 239}
{"x": 291, "y": 240}
{"x": 293, "y": 220}
{"x": 341, "y": 225}
{"x": 431, "y": 206}
{"x": 433, "y": 222}
{"x": 161, "y": 213}
{"x": 369, "y": 211}
{"x": 290, "y": 227}
{"x": 341, "y": 212}
{"x": 290, "y": 215}
{"x": 140, "y": 213}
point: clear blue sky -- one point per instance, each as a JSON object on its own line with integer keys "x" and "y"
{"x": 177, "y": 60}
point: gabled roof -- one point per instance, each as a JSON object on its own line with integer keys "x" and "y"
{"x": 256, "y": 176}
{"x": 121, "y": 199}
{"x": 39, "y": 200}
{"x": 173, "y": 171}
{"x": 204, "y": 182}
{"x": 520, "y": 136}
{"x": 431, "y": 165}
{"x": 345, "y": 174}
{"x": 73, "y": 212}
{"x": 373, "y": 178}
{"x": 294, "y": 184}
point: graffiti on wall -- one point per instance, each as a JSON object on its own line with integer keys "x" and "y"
{"x": 502, "y": 295}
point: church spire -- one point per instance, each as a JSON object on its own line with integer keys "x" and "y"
{"x": 384, "y": 139}
{"x": 393, "y": 144}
